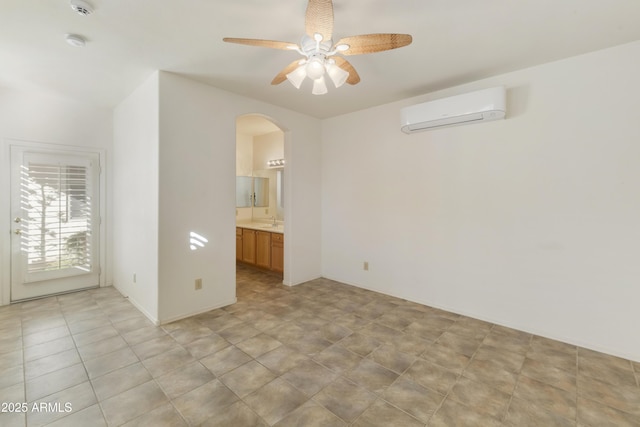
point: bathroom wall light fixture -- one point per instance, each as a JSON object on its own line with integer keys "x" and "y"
{"x": 275, "y": 163}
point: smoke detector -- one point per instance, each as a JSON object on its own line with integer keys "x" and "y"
{"x": 81, "y": 7}
{"x": 74, "y": 40}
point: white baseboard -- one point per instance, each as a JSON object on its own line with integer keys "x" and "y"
{"x": 195, "y": 313}
{"x": 534, "y": 331}
{"x": 138, "y": 306}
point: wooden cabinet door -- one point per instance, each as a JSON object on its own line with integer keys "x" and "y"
{"x": 277, "y": 252}
{"x": 263, "y": 249}
{"x": 248, "y": 246}
{"x": 238, "y": 244}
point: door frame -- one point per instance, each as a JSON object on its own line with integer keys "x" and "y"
{"x": 5, "y": 206}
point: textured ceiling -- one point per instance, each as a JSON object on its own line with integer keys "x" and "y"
{"x": 455, "y": 41}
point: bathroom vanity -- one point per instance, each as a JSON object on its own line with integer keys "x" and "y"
{"x": 261, "y": 245}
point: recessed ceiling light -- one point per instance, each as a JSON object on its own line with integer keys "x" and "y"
{"x": 74, "y": 40}
{"x": 81, "y": 7}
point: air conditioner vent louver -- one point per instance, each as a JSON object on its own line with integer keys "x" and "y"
{"x": 480, "y": 106}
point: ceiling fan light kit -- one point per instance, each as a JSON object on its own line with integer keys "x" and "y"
{"x": 337, "y": 74}
{"x": 321, "y": 56}
{"x": 319, "y": 86}
{"x": 297, "y": 76}
{"x": 318, "y": 63}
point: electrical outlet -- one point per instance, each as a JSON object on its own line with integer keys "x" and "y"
{"x": 198, "y": 284}
{"x": 134, "y": 277}
{"x": 266, "y": 211}
{"x": 366, "y": 266}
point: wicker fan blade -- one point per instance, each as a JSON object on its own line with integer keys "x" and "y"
{"x": 319, "y": 18}
{"x": 370, "y": 43}
{"x": 353, "y": 78}
{"x": 282, "y": 75}
{"x": 262, "y": 43}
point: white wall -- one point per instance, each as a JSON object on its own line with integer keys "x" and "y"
{"x": 135, "y": 224}
{"x": 244, "y": 167}
{"x": 244, "y": 154}
{"x": 267, "y": 147}
{"x": 197, "y": 193}
{"x": 50, "y": 119}
{"x": 530, "y": 222}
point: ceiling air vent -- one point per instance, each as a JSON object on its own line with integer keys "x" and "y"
{"x": 81, "y": 7}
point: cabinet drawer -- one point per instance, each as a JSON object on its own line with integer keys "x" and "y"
{"x": 277, "y": 237}
{"x": 238, "y": 231}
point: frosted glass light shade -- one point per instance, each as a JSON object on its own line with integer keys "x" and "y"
{"x": 315, "y": 69}
{"x": 319, "y": 86}
{"x": 337, "y": 74}
{"x": 297, "y": 76}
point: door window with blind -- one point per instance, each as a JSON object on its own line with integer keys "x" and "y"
{"x": 58, "y": 225}
{"x": 55, "y": 211}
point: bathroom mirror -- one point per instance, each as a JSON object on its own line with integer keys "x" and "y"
{"x": 274, "y": 185}
{"x": 244, "y": 191}
{"x": 252, "y": 191}
{"x": 260, "y": 192}
{"x": 263, "y": 192}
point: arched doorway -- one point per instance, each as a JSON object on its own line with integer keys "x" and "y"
{"x": 260, "y": 194}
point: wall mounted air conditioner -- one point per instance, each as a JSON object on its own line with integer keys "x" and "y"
{"x": 480, "y": 106}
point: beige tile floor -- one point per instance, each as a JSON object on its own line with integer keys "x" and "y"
{"x": 319, "y": 354}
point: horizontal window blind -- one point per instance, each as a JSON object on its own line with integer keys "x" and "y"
{"x": 57, "y": 230}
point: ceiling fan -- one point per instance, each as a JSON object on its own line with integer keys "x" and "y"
{"x": 320, "y": 54}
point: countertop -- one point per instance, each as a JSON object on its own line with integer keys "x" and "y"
{"x": 262, "y": 226}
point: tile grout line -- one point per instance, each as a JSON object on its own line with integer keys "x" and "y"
{"x": 380, "y": 396}
{"x": 24, "y": 366}
{"x": 577, "y": 372}
{"x": 154, "y": 379}
{"x": 216, "y": 377}
{"x": 515, "y": 386}
{"x": 104, "y": 416}
{"x": 100, "y": 402}
{"x": 83, "y": 361}
{"x": 636, "y": 371}
{"x": 59, "y": 307}
{"x": 293, "y": 319}
{"x": 171, "y": 400}
{"x": 458, "y": 376}
{"x": 340, "y": 374}
{"x": 26, "y": 418}
{"x": 446, "y": 395}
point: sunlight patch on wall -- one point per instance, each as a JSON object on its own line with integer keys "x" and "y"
{"x": 197, "y": 241}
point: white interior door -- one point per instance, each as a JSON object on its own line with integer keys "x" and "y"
{"x": 55, "y": 222}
